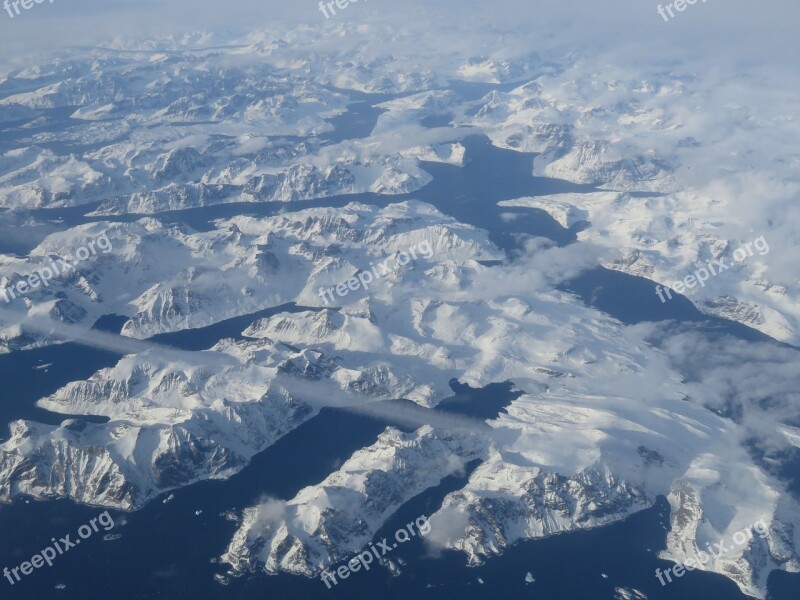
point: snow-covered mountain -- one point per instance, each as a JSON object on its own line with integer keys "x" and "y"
{"x": 606, "y": 424}
{"x": 338, "y": 517}
{"x": 173, "y": 422}
{"x": 608, "y": 416}
{"x": 589, "y": 449}
{"x": 167, "y": 278}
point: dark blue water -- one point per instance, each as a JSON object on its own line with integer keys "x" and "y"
{"x": 485, "y": 403}
{"x": 166, "y": 549}
{"x": 358, "y": 122}
{"x": 42, "y": 371}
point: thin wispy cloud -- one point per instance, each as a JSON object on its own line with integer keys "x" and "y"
{"x": 111, "y": 342}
